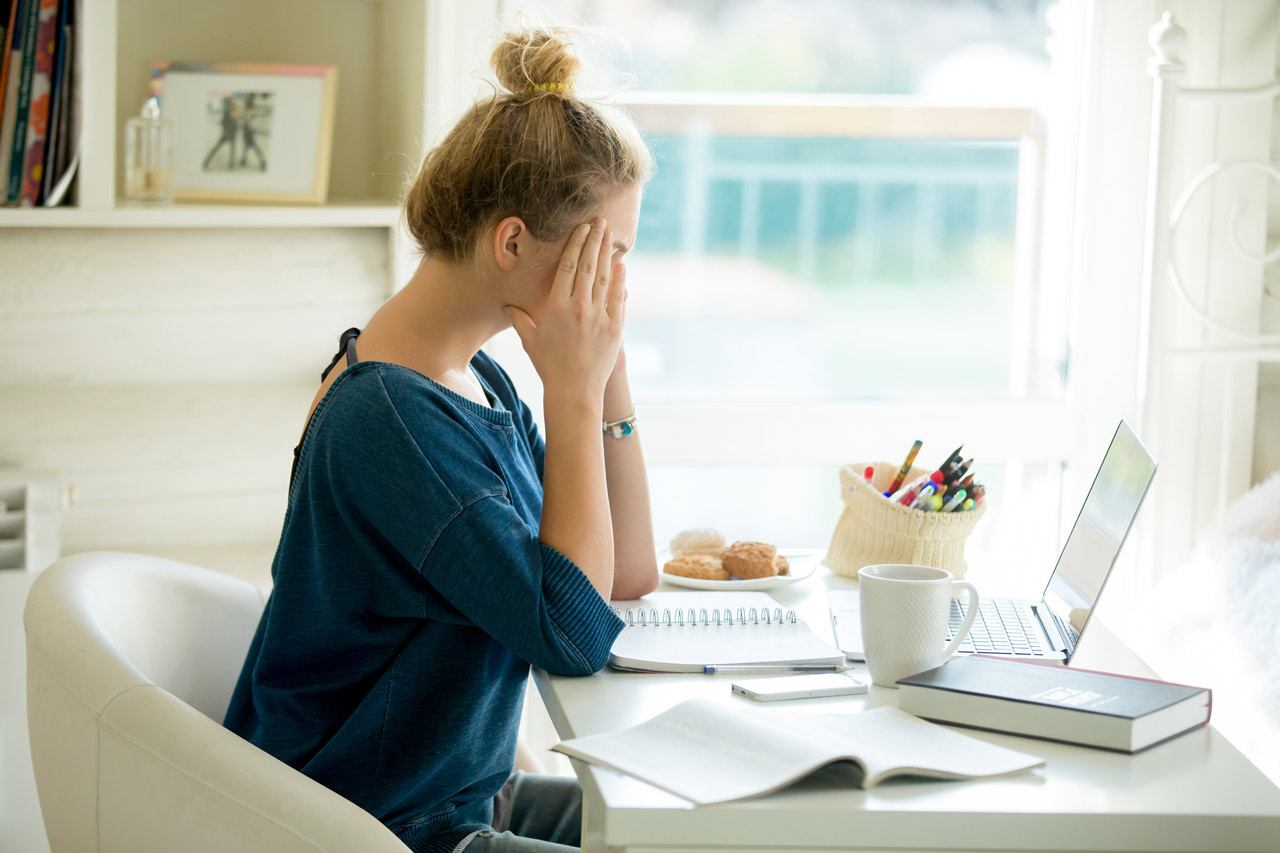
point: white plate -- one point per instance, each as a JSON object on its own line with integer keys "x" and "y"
{"x": 803, "y": 562}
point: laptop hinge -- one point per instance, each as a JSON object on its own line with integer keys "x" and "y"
{"x": 1057, "y": 640}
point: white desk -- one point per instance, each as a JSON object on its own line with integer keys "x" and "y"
{"x": 1196, "y": 792}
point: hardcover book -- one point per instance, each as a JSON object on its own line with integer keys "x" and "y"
{"x": 41, "y": 101}
{"x": 22, "y": 68}
{"x": 1055, "y": 703}
{"x": 10, "y": 74}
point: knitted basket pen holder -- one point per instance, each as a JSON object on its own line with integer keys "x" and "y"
{"x": 873, "y": 529}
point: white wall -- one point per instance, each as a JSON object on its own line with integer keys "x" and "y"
{"x": 164, "y": 374}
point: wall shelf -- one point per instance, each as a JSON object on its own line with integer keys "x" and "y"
{"x": 339, "y": 214}
{"x": 379, "y": 48}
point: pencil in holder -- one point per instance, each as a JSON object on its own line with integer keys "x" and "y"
{"x": 873, "y": 529}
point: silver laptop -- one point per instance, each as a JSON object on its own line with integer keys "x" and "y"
{"x": 1049, "y": 629}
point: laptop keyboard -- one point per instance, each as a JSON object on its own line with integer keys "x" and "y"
{"x": 1002, "y": 627}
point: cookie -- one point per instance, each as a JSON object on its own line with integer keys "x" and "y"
{"x": 698, "y": 540}
{"x": 784, "y": 568}
{"x": 698, "y": 566}
{"x": 751, "y": 560}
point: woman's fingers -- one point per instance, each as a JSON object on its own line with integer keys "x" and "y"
{"x": 523, "y": 324}
{"x": 617, "y": 292}
{"x": 604, "y": 264}
{"x": 588, "y": 261}
{"x": 562, "y": 285}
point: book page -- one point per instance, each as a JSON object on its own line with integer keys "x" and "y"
{"x": 891, "y": 742}
{"x": 710, "y": 752}
{"x": 705, "y": 752}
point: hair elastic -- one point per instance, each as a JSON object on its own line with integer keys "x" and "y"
{"x": 550, "y": 87}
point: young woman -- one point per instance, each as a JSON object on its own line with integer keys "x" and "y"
{"x": 434, "y": 546}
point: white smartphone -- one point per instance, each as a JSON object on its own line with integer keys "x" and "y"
{"x": 800, "y": 686}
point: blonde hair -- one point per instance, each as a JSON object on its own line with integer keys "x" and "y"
{"x": 536, "y": 151}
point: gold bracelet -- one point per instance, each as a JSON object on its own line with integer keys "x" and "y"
{"x": 621, "y": 428}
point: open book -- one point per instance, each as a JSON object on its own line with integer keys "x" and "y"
{"x": 712, "y": 752}
{"x": 685, "y": 631}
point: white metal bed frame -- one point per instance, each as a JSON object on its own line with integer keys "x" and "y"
{"x": 1167, "y": 40}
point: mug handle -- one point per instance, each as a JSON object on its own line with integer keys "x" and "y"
{"x": 968, "y": 619}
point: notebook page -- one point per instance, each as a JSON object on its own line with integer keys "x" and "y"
{"x": 671, "y": 645}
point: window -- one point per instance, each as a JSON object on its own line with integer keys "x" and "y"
{"x": 842, "y": 251}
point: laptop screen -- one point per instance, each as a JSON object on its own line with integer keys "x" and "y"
{"x": 1100, "y": 529}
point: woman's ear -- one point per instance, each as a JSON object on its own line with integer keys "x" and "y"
{"x": 510, "y": 243}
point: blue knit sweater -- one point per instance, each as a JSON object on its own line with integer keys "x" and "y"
{"x": 410, "y": 596}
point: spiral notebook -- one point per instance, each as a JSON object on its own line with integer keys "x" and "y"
{"x": 686, "y": 631}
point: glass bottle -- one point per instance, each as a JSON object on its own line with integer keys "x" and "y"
{"x": 148, "y": 156}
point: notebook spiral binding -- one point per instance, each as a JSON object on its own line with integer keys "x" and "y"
{"x": 651, "y": 616}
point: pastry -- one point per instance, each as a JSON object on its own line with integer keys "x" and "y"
{"x": 698, "y": 540}
{"x": 751, "y": 560}
{"x": 780, "y": 562}
{"x": 698, "y": 566}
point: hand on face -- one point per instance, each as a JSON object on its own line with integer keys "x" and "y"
{"x": 574, "y": 345}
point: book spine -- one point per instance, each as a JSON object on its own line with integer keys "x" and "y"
{"x": 23, "y": 105}
{"x": 56, "y": 106}
{"x": 5, "y": 50}
{"x": 12, "y": 58}
{"x": 40, "y": 103}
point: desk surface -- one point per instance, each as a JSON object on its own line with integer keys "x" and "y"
{"x": 1196, "y": 792}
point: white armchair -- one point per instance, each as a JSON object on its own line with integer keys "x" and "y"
{"x": 131, "y": 661}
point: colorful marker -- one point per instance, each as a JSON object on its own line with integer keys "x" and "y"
{"x": 953, "y": 501}
{"x": 906, "y": 466}
{"x": 923, "y": 498}
{"x": 914, "y": 485}
{"x": 869, "y": 474}
{"x": 968, "y": 504}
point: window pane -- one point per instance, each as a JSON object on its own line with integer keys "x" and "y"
{"x": 962, "y": 49}
{"x": 824, "y": 267}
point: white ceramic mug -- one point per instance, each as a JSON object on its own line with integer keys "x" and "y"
{"x": 905, "y": 610}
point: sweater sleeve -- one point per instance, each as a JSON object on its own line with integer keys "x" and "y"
{"x": 489, "y": 565}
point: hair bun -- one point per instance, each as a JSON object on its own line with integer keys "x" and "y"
{"x": 533, "y": 59}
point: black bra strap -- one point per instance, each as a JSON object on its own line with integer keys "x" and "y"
{"x": 347, "y": 344}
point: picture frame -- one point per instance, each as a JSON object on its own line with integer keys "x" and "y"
{"x": 248, "y": 132}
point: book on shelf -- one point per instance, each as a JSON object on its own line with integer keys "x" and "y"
{"x": 687, "y": 631}
{"x": 40, "y": 104}
{"x": 1055, "y": 702}
{"x": 708, "y": 751}
{"x": 22, "y": 71}
{"x": 64, "y": 150}
{"x": 58, "y": 99}
{"x": 8, "y": 9}
{"x": 12, "y": 79}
